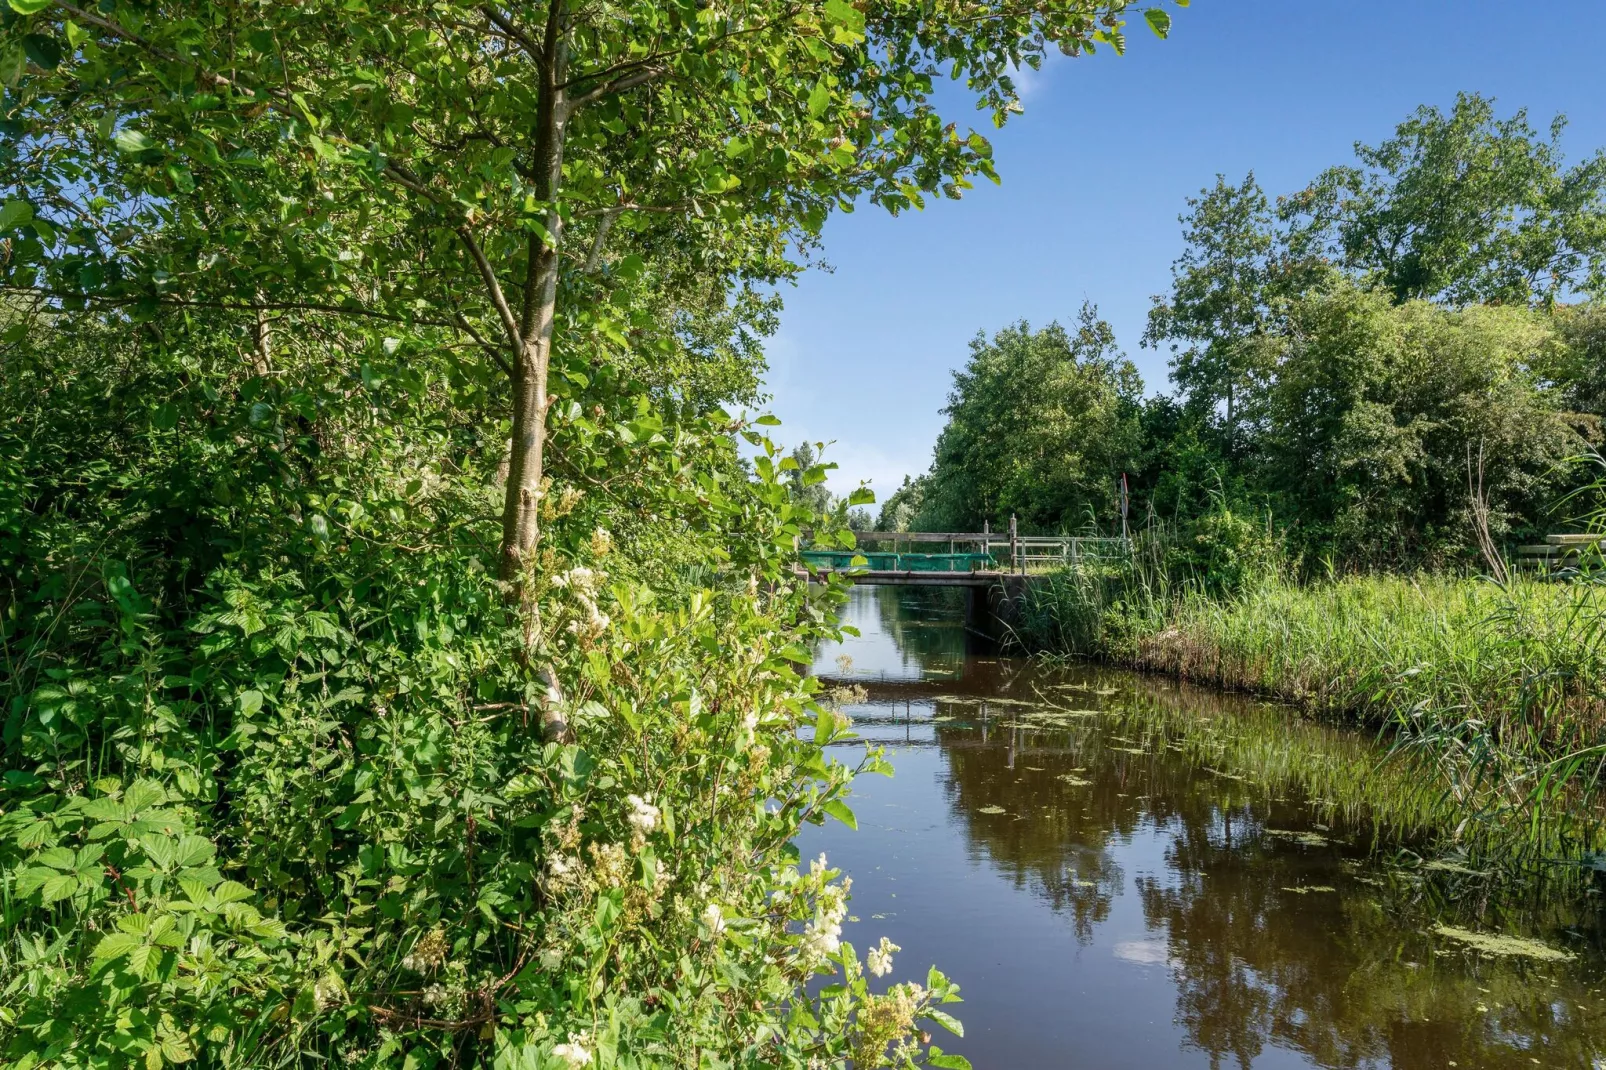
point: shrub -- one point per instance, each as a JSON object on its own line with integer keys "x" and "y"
{"x": 277, "y": 783}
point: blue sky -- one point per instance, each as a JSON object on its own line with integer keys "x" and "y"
{"x": 1097, "y": 170}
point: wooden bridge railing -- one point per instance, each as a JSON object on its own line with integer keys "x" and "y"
{"x": 1019, "y": 553}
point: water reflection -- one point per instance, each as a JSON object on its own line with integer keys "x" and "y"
{"x": 1114, "y": 887}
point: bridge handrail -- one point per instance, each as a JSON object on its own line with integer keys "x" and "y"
{"x": 1020, "y": 552}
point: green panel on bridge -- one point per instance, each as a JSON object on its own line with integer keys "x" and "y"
{"x": 878, "y": 562}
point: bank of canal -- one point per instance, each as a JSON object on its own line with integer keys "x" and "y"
{"x": 1118, "y": 874}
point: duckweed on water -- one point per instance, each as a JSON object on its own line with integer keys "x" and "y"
{"x": 1509, "y": 946}
{"x": 1309, "y": 839}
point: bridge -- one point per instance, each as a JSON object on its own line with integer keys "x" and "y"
{"x": 959, "y": 559}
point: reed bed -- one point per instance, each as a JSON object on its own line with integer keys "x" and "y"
{"x": 1499, "y": 688}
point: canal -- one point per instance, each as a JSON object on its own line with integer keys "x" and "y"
{"x": 1123, "y": 872}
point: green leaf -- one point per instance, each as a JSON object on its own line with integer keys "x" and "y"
{"x": 194, "y": 851}
{"x": 1159, "y": 21}
{"x": 141, "y": 959}
{"x": 862, "y": 496}
{"x": 250, "y": 702}
{"x": 15, "y": 214}
{"x": 31, "y": 880}
{"x": 116, "y": 945}
{"x": 768, "y": 420}
{"x": 58, "y": 886}
{"x": 44, "y": 51}
{"x": 57, "y": 858}
{"x": 825, "y": 727}
{"x": 844, "y": 15}
{"x": 819, "y": 98}
{"x": 133, "y": 141}
{"x": 946, "y": 1020}
{"x": 939, "y": 1058}
{"x": 160, "y": 850}
{"x": 231, "y": 892}
{"x": 33, "y": 835}
{"x": 839, "y": 810}
{"x": 29, "y": 7}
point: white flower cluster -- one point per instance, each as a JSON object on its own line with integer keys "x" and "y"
{"x": 582, "y": 583}
{"x": 879, "y": 959}
{"x": 643, "y": 816}
{"x": 823, "y": 935}
{"x": 713, "y": 918}
{"x": 573, "y": 1052}
{"x": 329, "y": 992}
{"x": 428, "y": 953}
{"x": 562, "y": 871}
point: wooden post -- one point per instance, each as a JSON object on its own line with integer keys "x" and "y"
{"x": 1014, "y": 546}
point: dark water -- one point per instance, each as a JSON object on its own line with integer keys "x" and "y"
{"x": 1109, "y": 898}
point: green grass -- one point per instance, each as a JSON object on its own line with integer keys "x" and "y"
{"x": 1502, "y": 687}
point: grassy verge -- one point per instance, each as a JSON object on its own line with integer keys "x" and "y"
{"x": 1504, "y": 687}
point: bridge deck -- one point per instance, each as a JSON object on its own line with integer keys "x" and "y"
{"x": 914, "y": 578}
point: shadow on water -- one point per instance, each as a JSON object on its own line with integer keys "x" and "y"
{"x": 1122, "y": 872}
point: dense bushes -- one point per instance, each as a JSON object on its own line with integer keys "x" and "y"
{"x": 277, "y": 785}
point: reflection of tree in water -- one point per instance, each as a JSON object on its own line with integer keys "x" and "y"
{"x": 926, "y": 622}
{"x": 1351, "y": 978}
{"x": 1043, "y": 837}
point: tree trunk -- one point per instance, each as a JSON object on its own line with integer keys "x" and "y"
{"x": 521, "y": 510}
{"x": 522, "y": 502}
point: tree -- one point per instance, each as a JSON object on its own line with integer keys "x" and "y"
{"x": 1040, "y": 424}
{"x": 903, "y": 505}
{"x": 1579, "y": 369}
{"x": 1216, "y": 315}
{"x": 1464, "y": 208}
{"x": 476, "y": 167}
{"x": 1378, "y": 410}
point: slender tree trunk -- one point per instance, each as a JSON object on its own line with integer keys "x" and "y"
{"x": 522, "y": 505}
{"x": 262, "y": 342}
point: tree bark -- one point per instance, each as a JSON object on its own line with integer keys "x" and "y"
{"x": 533, "y": 346}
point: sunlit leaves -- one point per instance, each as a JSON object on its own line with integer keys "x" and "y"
{"x": 1159, "y": 21}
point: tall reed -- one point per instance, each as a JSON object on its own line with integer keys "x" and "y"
{"x": 1503, "y": 685}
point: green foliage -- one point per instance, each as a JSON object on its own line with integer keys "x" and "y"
{"x": 308, "y": 758}
{"x": 544, "y": 182}
{"x": 1578, "y": 364}
{"x": 1378, "y": 410}
{"x": 1222, "y": 287}
{"x": 1465, "y": 208}
{"x": 805, "y": 480}
{"x": 276, "y": 785}
{"x": 1040, "y": 424}
{"x": 903, "y": 505}
{"x": 1224, "y": 552}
